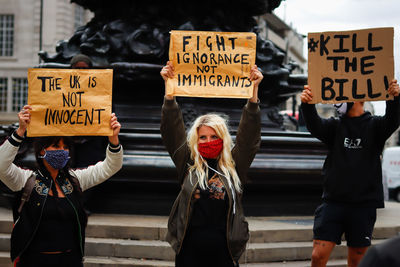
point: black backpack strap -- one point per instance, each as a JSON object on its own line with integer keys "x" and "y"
{"x": 27, "y": 190}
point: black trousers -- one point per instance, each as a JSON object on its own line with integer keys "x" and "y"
{"x": 36, "y": 259}
{"x": 204, "y": 247}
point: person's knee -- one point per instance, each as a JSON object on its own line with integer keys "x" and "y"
{"x": 319, "y": 256}
{"x": 355, "y": 255}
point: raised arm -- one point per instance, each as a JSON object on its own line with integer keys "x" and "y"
{"x": 172, "y": 127}
{"x": 167, "y": 72}
{"x": 248, "y": 135}
{"x": 11, "y": 175}
{"x": 116, "y": 127}
{"x": 390, "y": 121}
{"x": 323, "y": 129}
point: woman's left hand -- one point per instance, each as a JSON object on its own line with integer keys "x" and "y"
{"x": 256, "y": 77}
{"x": 116, "y": 126}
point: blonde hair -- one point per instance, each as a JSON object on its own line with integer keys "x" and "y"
{"x": 225, "y": 161}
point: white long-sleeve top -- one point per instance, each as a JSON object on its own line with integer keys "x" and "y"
{"x": 15, "y": 177}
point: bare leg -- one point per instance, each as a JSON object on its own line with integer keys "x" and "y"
{"x": 355, "y": 255}
{"x": 321, "y": 252}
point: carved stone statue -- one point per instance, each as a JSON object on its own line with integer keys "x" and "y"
{"x": 132, "y": 37}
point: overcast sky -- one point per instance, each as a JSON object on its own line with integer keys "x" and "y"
{"x": 319, "y": 15}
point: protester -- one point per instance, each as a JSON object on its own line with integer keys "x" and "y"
{"x": 352, "y": 174}
{"x": 88, "y": 149}
{"x": 207, "y": 226}
{"x": 385, "y": 254}
{"x": 81, "y": 61}
{"x": 49, "y": 229}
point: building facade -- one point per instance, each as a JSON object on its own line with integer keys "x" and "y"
{"x": 26, "y": 27}
{"x": 291, "y": 43}
{"x": 285, "y": 38}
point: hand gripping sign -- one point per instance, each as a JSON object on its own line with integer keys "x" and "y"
{"x": 70, "y": 102}
{"x": 212, "y": 64}
{"x": 350, "y": 65}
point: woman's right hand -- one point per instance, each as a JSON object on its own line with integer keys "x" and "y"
{"x": 24, "y": 117}
{"x": 167, "y": 72}
{"x": 306, "y": 96}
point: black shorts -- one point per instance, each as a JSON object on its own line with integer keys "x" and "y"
{"x": 357, "y": 223}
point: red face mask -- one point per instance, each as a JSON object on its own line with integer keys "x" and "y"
{"x": 210, "y": 150}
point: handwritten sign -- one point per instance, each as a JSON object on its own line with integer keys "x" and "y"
{"x": 69, "y": 102}
{"x": 212, "y": 64}
{"x": 350, "y": 65}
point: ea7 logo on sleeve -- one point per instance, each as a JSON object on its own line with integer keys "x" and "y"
{"x": 352, "y": 143}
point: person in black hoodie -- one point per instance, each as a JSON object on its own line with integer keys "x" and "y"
{"x": 352, "y": 186}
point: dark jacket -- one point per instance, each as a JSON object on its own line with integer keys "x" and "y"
{"x": 247, "y": 143}
{"x": 16, "y": 179}
{"x": 385, "y": 254}
{"x": 352, "y": 170}
{"x": 27, "y": 222}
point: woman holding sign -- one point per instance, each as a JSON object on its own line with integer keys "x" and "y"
{"x": 49, "y": 229}
{"x": 207, "y": 226}
{"x": 352, "y": 174}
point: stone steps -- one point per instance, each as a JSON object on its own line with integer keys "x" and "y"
{"x": 136, "y": 240}
{"x": 132, "y": 262}
{"x": 158, "y": 232}
{"x": 5, "y": 259}
{"x": 124, "y": 262}
{"x": 148, "y": 249}
{"x": 331, "y": 263}
{"x": 161, "y": 251}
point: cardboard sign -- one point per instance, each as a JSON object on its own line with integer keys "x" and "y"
{"x": 212, "y": 64}
{"x": 69, "y": 102}
{"x": 350, "y": 65}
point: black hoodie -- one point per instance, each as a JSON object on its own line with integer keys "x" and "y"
{"x": 352, "y": 170}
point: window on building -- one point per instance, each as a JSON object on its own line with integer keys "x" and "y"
{"x": 79, "y": 16}
{"x": 3, "y": 94}
{"x": 20, "y": 93}
{"x": 6, "y": 35}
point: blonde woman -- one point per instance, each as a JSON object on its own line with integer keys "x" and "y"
{"x": 207, "y": 226}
